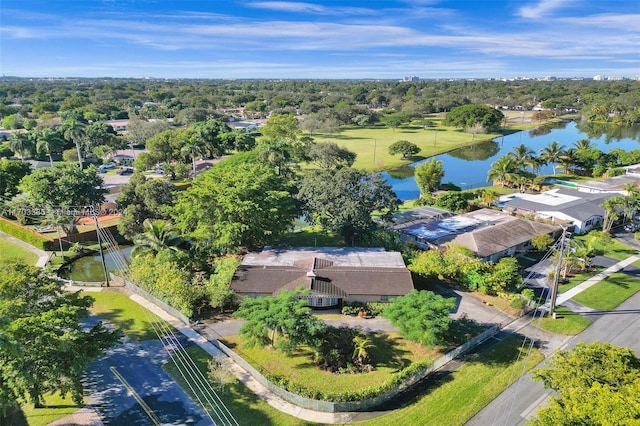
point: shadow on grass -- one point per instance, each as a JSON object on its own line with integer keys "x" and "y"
{"x": 386, "y": 352}
{"x": 128, "y": 326}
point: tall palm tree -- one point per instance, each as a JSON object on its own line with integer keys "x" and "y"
{"x": 552, "y": 153}
{"x": 48, "y": 140}
{"x": 158, "y": 235}
{"x": 522, "y": 154}
{"x": 74, "y": 131}
{"x": 193, "y": 148}
{"x": 503, "y": 170}
{"x": 20, "y": 143}
{"x": 569, "y": 159}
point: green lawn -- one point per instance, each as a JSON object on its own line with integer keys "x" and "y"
{"x": 9, "y": 250}
{"x": 371, "y": 144}
{"x": 567, "y": 322}
{"x": 54, "y": 408}
{"x": 458, "y": 396}
{"x": 135, "y": 321}
{"x": 578, "y": 279}
{"x": 247, "y": 408}
{"x": 614, "y": 249}
{"x": 390, "y": 351}
{"x": 312, "y": 236}
{"x": 609, "y": 293}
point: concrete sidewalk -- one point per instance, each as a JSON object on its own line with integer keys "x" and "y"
{"x": 564, "y": 297}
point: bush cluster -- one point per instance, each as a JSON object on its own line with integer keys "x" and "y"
{"x": 26, "y": 235}
{"x": 370, "y": 308}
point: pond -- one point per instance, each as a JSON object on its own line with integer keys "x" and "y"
{"x": 467, "y": 167}
{"x": 89, "y": 268}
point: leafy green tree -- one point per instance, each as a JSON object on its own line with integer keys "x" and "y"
{"x": 143, "y": 199}
{"x": 344, "y": 200}
{"x": 421, "y": 316}
{"x": 11, "y": 173}
{"x": 12, "y": 121}
{"x": 406, "y": 148}
{"x": 597, "y": 384}
{"x": 64, "y": 185}
{"x": 282, "y": 126}
{"x": 506, "y": 274}
{"x": 329, "y": 155}
{"x": 284, "y": 321}
{"x": 466, "y": 116}
{"x": 219, "y": 373}
{"x": 52, "y": 344}
{"x": 542, "y": 242}
{"x": 429, "y": 176}
{"x": 228, "y": 207}
{"x": 454, "y": 201}
{"x": 219, "y": 292}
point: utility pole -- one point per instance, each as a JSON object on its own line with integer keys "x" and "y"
{"x": 104, "y": 264}
{"x": 556, "y": 276}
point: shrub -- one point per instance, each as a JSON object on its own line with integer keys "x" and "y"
{"x": 25, "y": 234}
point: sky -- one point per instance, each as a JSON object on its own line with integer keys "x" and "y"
{"x": 373, "y": 39}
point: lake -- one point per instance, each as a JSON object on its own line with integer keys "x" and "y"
{"x": 467, "y": 167}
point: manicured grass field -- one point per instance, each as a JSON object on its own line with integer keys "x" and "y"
{"x": 450, "y": 400}
{"x": 9, "y": 250}
{"x": 132, "y": 319}
{"x": 567, "y": 322}
{"x": 609, "y": 293}
{"x": 390, "y": 351}
{"x": 371, "y": 144}
{"x": 55, "y": 408}
{"x": 614, "y": 249}
{"x": 455, "y": 398}
{"x": 312, "y": 236}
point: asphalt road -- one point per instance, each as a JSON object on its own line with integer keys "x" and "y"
{"x": 140, "y": 365}
{"x": 518, "y": 403}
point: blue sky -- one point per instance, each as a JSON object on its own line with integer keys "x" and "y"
{"x": 319, "y": 39}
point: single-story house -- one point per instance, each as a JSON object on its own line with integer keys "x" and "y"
{"x": 333, "y": 275}
{"x": 562, "y": 206}
{"x": 489, "y": 234}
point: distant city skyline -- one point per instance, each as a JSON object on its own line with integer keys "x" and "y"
{"x": 371, "y": 39}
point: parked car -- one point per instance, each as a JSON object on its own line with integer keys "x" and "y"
{"x": 125, "y": 171}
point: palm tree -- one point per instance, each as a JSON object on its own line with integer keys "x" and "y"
{"x": 584, "y": 144}
{"x": 503, "y": 170}
{"x": 275, "y": 152}
{"x": 20, "y": 143}
{"x": 47, "y": 140}
{"x": 612, "y": 208}
{"x": 360, "y": 354}
{"x": 569, "y": 159}
{"x": 194, "y": 147}
{"x": 74, "y": 131}
{"x": 552, "y": 153}
{"x": 522, "y": 154}
{"x": 158, "y": 235}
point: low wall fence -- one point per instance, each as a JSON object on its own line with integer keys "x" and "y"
{"x": 151, "y": 298}
{"x": 365, "y": 404}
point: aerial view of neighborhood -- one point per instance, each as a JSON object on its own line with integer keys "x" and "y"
{"x": 296, "y": 213}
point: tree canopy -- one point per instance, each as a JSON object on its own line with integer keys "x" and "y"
{"x": 597, "y": 384}
{"x": 64, "y": 185}
{"x": 343, "y": 201}
{"x": 11, "y": 172}
{"x": 422, "y": 316}
{"x": 246, "y": 205}
{"x": 49, "y": 340}
{"x": 406, "y": 148}
{"x": 467, "y": 116}
{"x": 429, "y": 176}
{"x": 284, "y": 321}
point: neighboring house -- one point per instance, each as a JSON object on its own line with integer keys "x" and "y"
{"x": 333, "y": 275}
{"x": 615, "y": 185}
{"x": 489, "y": 234}
{"x": 578, "y": 208}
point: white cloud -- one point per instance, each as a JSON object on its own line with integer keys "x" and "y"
{"x": 310, "y": 8}
{"x": 542, "y": 8}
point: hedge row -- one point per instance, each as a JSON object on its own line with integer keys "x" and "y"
{"x": 25, "y": 234}
{"x": 397, "y": 380}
